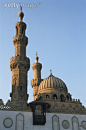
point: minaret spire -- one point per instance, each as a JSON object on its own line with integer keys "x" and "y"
{"x": 36, "y": 53}
{"x": 50, "y": 72}
{"x": 36, "y": 58}
{"x": 20, "y": 8}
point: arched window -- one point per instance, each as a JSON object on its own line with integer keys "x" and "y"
{"x": 67, "y": 97}
{"x": 70, "y": 98}
{"x": 55, "y": 123}
{"x": 62, "y": 98}
{"x": 16, "y": 30}
{"x": 47, "y": 96}
{"x": 38, "y": 110}
{"x": 75, "y": 124}
{"x": 23, "y": 31}
{"x": 21, "y": 88}
{"x": 19, "y": 122}
{"x": 54, "y": 96}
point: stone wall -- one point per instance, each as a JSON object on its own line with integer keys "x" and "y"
{"x": 18, "y": 120}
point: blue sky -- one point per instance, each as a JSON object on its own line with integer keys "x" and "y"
{"x": 57, "y": 31}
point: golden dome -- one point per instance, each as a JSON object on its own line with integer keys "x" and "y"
{"x": 52, "y": 82}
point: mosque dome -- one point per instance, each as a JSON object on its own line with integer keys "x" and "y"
{"x": 52, "y": 83}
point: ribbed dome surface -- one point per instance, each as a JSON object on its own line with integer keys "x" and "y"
{"x": 52, "y": 82}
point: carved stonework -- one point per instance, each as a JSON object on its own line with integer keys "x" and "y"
{"x": 55, "y": 123}
{"x": 56, "y": 108}
{"x": 14, "y": 62}
{"x": 23, "y": 39}
{"x": 8, "y": 103}
{"x": 20, "y": 122}
{"x": 61, "y": 108}
{"x": 75, "y": 123}
{"x": 65, "y": 124}
{"x": 83, "y": 124}
{"x": 8, "y": 122}
{"x": 1, "y": 102}
{"x": 36, "y": 82}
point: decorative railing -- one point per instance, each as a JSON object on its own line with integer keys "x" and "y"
{"x": 16, "y": 58}
{"x": 4, "y": 107}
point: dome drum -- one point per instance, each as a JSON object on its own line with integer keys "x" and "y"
{"x": 60, "y": 97}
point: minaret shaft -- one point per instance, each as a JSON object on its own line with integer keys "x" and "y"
{"x": 20, "y": 50}
{"x": 19, "y": 64}
{"x": 37, "y": 77}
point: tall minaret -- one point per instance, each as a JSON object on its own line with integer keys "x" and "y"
{"x": 37, "y": 77}
{"x": 19, "y": 64}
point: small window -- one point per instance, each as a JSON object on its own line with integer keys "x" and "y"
{"x": 38, "y": 110}
{"x": 62, "y": 98}
{"x": 39, "y": 116}
{"x": 47, "y": 96}
{"x": 70, "y": 99}
{"x": 23, "y": 31}
{"x": 16, "y": 30}
{"x": 54, "y": 96}
{"x": 21, "y": 88}
{"x": 67, "y": 97}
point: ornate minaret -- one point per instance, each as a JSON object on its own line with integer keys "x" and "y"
{"x": 19, "y": 64}
{"x": 37, "y": 77}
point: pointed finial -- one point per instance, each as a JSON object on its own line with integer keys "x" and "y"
{"x": 50, "y": 72}
{"x": 20, "y": 8}
{"x": 36, "y": 53}
{"x": 20, "y": 14}
{"x": 36, "y": 58}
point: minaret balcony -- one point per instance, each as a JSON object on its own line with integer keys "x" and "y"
{"x": 36, "y": 82}
{"x": 19, "y": 58}
{"x": 18, "y": 61}
{"x": 20, "y": 39}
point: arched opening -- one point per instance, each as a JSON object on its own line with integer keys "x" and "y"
{"x": 23, "y": 31}
{"x": 75, "y": 123}
{"x": 67, "y": 97}
{"x": 62, "y": 98}
{"x": 39, "y": 113}
{"x": 38, "y": 110}
{"x": 16, "y": 30}
{"x": 21, "y": 88}
{"x": 54, "y": 96}
{"x": 20, "y": 122}
{"x": 70, "y": 99}
{"x": 55, "y": 123}
{"x": 47, "y": 96}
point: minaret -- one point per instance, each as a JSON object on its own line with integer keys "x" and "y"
{"x": 37, "y": 76}
{"x": 19, "y": 64}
